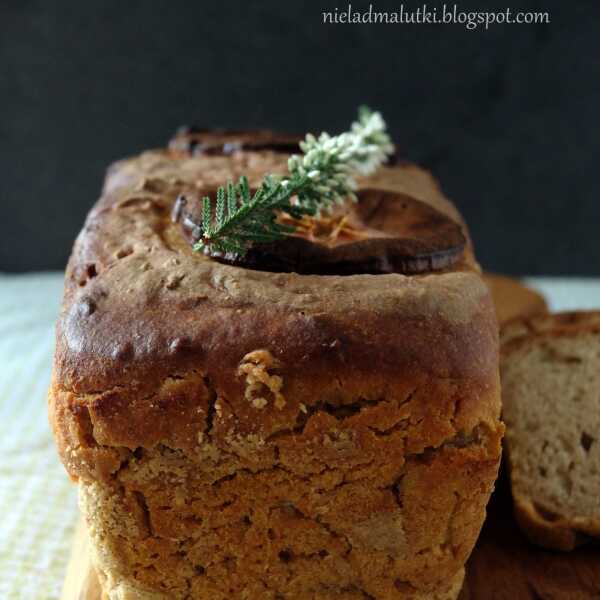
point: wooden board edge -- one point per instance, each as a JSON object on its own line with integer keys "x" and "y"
{"x": 81, "y": 581}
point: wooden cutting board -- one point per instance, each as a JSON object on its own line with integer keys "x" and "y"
{"x": 81, "y": 582}
{"x": 503, "y": 566}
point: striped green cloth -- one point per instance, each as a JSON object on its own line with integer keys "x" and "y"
{"x": 38, "y": 508}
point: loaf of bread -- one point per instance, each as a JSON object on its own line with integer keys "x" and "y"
{"x": 513, "y": 299}
{"x": 252, "y": 434}
{"x": 551, "y": 405}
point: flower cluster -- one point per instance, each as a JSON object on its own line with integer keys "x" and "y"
{"x": 331, "y": 162}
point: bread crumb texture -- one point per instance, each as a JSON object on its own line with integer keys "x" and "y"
{"x": 551, "y": 393}
{"x": 260, "y": 382}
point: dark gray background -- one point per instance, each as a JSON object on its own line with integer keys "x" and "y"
{"x": 506, "y": 118}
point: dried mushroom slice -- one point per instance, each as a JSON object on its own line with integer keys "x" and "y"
{"x": 385, "y": 232}
{"x": 195, "y": 141}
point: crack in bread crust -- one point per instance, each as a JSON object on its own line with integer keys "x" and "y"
{"x": 336, "y": 499}
{"x": 335, "y": 544}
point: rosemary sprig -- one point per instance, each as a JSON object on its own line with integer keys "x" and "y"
{"x": 241, "y": 219}
{"x": 320, "y": 178}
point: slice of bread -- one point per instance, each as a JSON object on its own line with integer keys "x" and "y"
{"x": 513, "y": 299}
{"x": 550, "y": 372}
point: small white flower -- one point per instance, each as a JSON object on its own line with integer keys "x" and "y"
{"x": 329, "y": 161}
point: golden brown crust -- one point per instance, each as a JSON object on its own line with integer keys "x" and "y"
{"x": 190, "y": 395}
{"x": 512, "y": 299}
{"x": 547, "y": 533}
{"x": 527, "y": 330}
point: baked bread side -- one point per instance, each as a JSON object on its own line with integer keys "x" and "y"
{"x": 513, "y": 299}
{"x": 239, "y": 433}
{"x": 551, "y": 391}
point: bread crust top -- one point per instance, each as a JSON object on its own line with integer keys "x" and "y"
{"x": 154, "y": 338}
{"x": 139, "y": 304}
